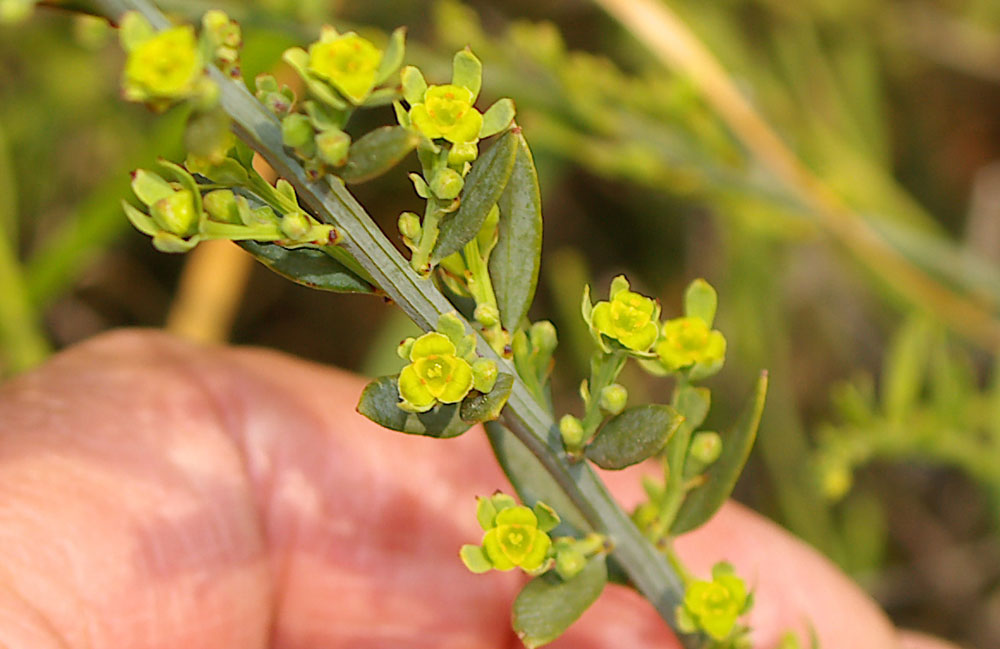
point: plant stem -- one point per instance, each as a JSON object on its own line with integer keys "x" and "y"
{"x": 21, "y": 341}
{"x": 330, "y": 201}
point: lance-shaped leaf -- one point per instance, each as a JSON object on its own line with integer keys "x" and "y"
{"x": 480, "y": 407}
{"x": 702, "y": 502}
{"x": 483, "y": 187}
{"x": 547, "y": 606}
{"x": 516, "y": 257}
{"x": 532, "y": 482}
{"x": 377, "y": 152}
{"x": 309, "y": 267}
{"x": 633, "y": 436}
{"x": 380, "y": 403}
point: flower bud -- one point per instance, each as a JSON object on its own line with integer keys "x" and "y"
{"x": 706, "y": 447}
{"x": 409, "y": 226}
{"x": 333, "y": 146}
{"x": 571, "y": 430}
{"x": 543, "y": 337}
{"x": 176, "y": 213}
{"x": 613, "y": 398}
{"x": 221, "y": 206}
{"x": 487, "y": 315}
{"x": 569, "y": 562}
{"x": 462, "y": 153}
{"x": 295, "y": 225}
{"x": 403, "y": 351}
{"x": 296, "y": 131}
{"x": 447, "y": 184}
{"x": 484, "y": 374}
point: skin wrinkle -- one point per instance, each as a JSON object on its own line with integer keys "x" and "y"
{"x": 119, "y": 478}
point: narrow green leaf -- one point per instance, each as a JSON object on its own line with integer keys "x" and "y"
{"x": 700, "y": 301}
{"x": 309, "y": 267}
{"x": 483, "y": 187}
{"x": 633, "y": 436}
{"x": 547, "y": 606}
{"x": 467, "y": 71}
{"x": 392, "y": 57}
{"x": 376, "y": 153}
{"x": 905, "y": 366}
{"x": 497, "y": 118}
{"x": 516, "y": 257}
{"x": 487, "y": 407}
{"x": 379, "y": 402}
{"x": 702, "y": 502}
{"x": 532, "y": 482}
{"x": 149, "y": 187}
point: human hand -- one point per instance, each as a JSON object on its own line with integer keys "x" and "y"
{"x": 157, "y": 494}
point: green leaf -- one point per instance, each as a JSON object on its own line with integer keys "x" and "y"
{"x": 516, "y": 257}
{"x": 414, "y": 85}
{"x": 309, "y": 267}
{"x": 380, "y": 403}
{"x": 702, "y": 502}
{"x": 532, "y": 482}
{"x": 392, "y": 57}
{"x": 475, "y": 559}
{"x": 467, "y": 72}
{"x": 497, "y": 118}
{"x": 483, "y": 188}
{"x": 149, "y": 187}
{"x": 633, "y": 436}
{"x": 547, "y": 606}
{"x": 487, "y": 407}
{"x": 905, "y": 366}
{"x": 377, "y": 152}
{"x": 142, "y": 222}
{"x": 547, "y": 517}
{"x": 700, "y": 301}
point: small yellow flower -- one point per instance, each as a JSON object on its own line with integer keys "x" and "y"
{"x": 166, "y": 66}
{"x": 629, "y": 318}
{"x": 435, "y": 374}
{"x": 714, "y": 606}
{"x": 349, "y": 62}
{"x": 447, "y": 112}
{"x": 689, "y": 341}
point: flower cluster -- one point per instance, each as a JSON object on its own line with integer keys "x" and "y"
{"x": 628, "y": 321}
{"x": 713, "y": 607}
{"x": 161, "y": 67}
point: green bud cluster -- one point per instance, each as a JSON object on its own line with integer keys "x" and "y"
{"x": 178, "y": 216}
{"x": 223, "y": 39}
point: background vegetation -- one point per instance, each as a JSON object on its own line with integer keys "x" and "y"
{"x": 848, "y": 212}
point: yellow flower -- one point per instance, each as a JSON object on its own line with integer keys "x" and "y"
{"x": 166, "y": 66}
{"x": 435, "y": 374}
{"x": 689, "y": 341}
{"x": 447, "y": 112}
{"x": 349, "y": 62}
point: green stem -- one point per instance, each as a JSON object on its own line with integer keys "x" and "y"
{"x": 23, "y": 344}
{"x": 481, "y": 287}
{"x": 424, "y": 304}
{"x": 604, "y": 369}
{"x": 421, "y": 261}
